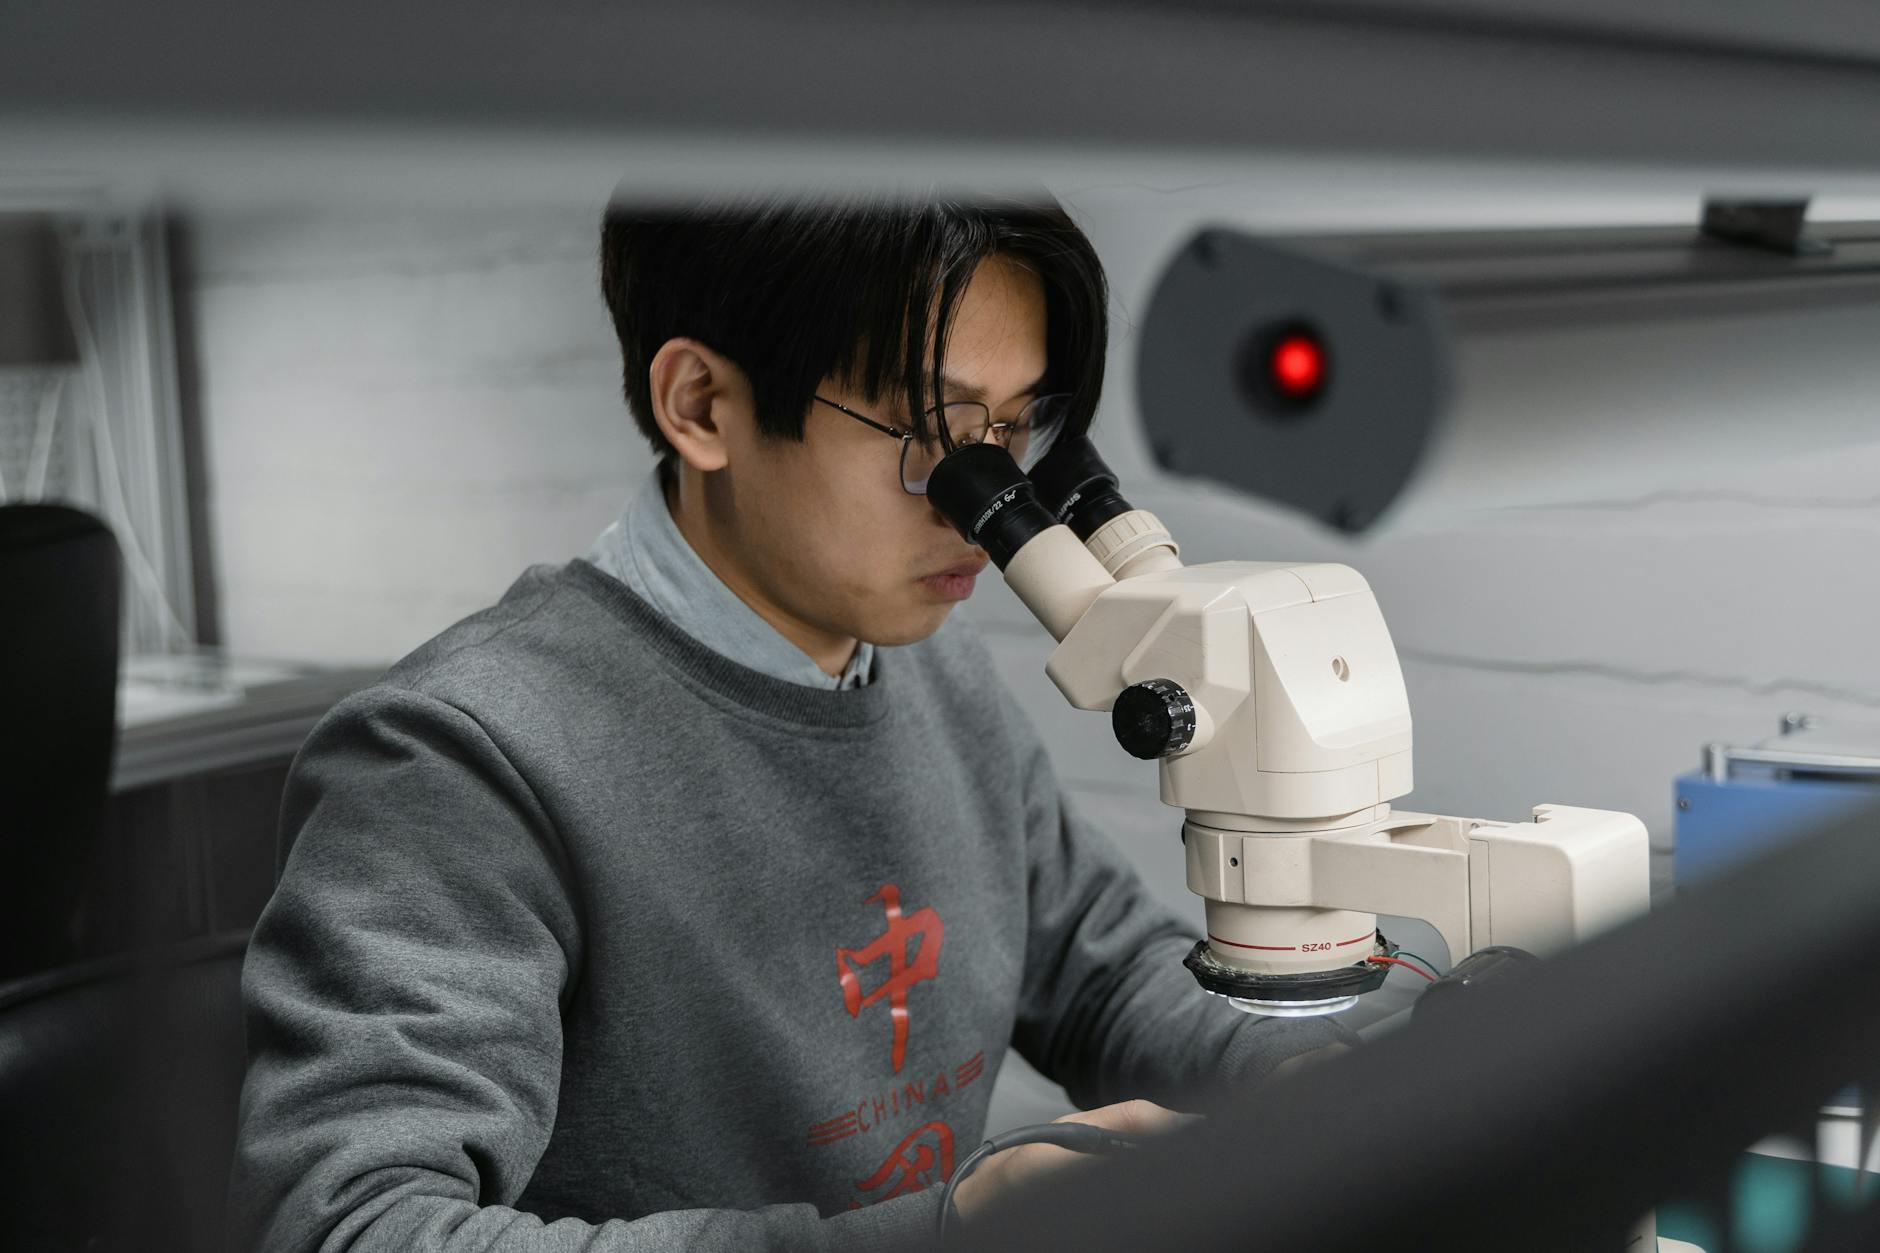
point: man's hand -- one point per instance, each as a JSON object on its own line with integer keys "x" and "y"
{"x": 1016, "y": 1167}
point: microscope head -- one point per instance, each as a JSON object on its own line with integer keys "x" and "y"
{"x": 1287, "y": 674}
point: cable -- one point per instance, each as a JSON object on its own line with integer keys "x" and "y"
{"x": 33, "y": 486}
{"x": 1398, "y": 952}
{"x": 42, "y": 440}
{"x": 1393, "y": 961}
{"x": 1079, "y": 1137}
{"x": 105, "y": 453}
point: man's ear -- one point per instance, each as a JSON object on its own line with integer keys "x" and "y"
{"x": 698, "y": 394}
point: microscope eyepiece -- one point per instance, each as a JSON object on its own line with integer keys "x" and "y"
{"x": 988, "y": 499}
{"x": 1077, "y": 487}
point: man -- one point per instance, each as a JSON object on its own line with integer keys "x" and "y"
{"x": 690, "y": 896}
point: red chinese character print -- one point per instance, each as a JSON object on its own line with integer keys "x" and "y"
{"x": 912, "y": 1164}
{"x": 922, "y": 931}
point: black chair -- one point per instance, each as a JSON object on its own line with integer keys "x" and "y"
{"x": 119, "y": 1084}
{"x": 59, "y": 589}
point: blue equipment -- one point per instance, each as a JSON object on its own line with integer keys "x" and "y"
{"x": 1745, "y": 801}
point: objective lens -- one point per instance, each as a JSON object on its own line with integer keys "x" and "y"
{"x": 1293, "y": 1009}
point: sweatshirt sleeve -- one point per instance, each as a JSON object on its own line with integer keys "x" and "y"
{"x": 1108, "y": 1010}
{"x": 403, "y": 996}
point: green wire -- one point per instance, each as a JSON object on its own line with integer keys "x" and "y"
{"x": 1434, "y": 973}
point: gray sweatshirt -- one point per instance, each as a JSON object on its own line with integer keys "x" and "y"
{"x": 591, "y": 938}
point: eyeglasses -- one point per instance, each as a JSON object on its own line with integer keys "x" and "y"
{"x": 1027, "y": 437}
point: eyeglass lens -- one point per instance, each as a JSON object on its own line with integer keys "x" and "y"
{"x": 1027, "y": 437}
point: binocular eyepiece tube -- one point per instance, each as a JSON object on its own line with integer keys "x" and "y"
{"x": 991, "y": 503}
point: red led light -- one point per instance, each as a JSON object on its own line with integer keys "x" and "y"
{"x": 1297, "y": 366}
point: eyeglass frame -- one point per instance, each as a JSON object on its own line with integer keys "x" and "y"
{"x": 907, "y": 437}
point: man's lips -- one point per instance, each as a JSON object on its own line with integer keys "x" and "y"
{"x": 965, "y": 568}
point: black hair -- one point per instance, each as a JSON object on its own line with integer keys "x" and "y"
{"x": 795, "y": 291}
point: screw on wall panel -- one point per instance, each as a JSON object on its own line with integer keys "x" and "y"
{"x": 1390, "y": 302}
{"x": 1684, "y": 802}
{"x": 1348, "y": 516}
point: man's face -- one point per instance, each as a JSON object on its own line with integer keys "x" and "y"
{"x": 824, "y": 529}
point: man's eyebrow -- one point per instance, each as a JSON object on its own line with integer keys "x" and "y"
{"x": 959, "y": 390}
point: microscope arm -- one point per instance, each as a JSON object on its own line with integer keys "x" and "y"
{"x": 1539, "y": 885}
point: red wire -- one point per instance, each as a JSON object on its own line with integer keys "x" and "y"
{"x": 1398, "y": 961}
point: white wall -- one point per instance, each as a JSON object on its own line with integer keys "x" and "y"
{"x": 404, "y": 409}
{"x": 401, "y": 411}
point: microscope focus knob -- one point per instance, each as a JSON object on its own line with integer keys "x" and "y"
{"x": 1154, "y": 718}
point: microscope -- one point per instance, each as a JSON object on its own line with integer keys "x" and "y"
{"x": 1272, "y": 697}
